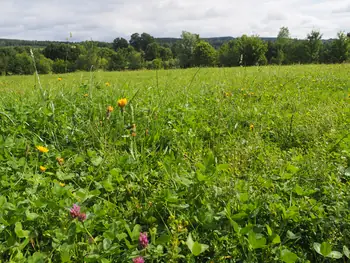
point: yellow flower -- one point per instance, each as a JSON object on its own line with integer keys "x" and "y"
{"x": 62, "y": 184}
{"x": 85, "y": 95}
{"x": 42, "y": 168}
{"x": 110, "y": 109}
{"x": 59, "y": 79}
{"x": 122, "y": 102}
{"x": 107, "y": 84}
{"x": 42, "y": 149}
{"x": 251, "y": 127}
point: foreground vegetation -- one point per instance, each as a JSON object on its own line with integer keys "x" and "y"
{"x": 209, "y": 165}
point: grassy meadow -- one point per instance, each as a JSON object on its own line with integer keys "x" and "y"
{"x": 201, "y": 165}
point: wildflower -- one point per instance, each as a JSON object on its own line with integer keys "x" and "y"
{"x": 75, "y": 211}
{"x": 133, "y": 134}
{"x": 143, "y": 240}
{"x": 109, "y": 111}
{"x": 82, "y": 217}
{"x": 122, "y": 102}
{"x": 60, "y": 160}
{"x": 107, "y": 84}
{"x": 138, "y": 260}
{"x": 42, "y": 149}
{"x": 62, "y": 184}
{"x": 42, "y": 168}
{"x": 59, "y": 79}
{"x": 228, "y": 94}
{"x": 110, "y": 108}
{"x": 251, "y": 127}
{"x": 85, "y": 95}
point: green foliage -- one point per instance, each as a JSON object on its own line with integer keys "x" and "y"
{"x": 235, "y": 165}
{"x": 252, "y": 50}
{"x": 204, "y": 55}
{"x": 314, "y": 46}
{"x": 152, "y": 51}
{"x": 120, "y": 43}
{"x": 185, "y": 49}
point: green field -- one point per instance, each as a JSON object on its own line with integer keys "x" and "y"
{"x": 222, "y": 165}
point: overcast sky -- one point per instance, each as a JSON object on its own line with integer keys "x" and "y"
{"x": 105, "y": 20}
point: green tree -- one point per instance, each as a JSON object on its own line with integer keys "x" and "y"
{"x": 119, "y": 43}
{"x": 60, "y": 66}
{"x": 282, "y": 42}
{"x": 341, "y": 48}
{"x": 152, "y": 51}
{"x": 145, "y": 40}
{"x": 135, "y": 60}
{"x": 135, "y": 41}
{"x": 314, "y": 46}
{"x": 165, "y": 53}
{"x": 204, "y": 54}
{"x": 228, "y": 54}
{"x": 117, "y": 61}
{"x": 252, "y": 50}
{"x": 22, "y": 64}
{"x": 185, "y": 48}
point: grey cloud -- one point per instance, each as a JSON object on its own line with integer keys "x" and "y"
{"x": 107, "y": 19}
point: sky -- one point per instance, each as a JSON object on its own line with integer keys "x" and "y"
{"x": 104, "y": 20}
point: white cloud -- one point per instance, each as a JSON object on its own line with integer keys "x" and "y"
{"x": 106, "y": 19}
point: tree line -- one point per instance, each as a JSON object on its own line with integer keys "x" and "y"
{"x": 144, "y": 51}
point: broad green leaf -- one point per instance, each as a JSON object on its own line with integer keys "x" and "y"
{"x": 96, "y": 161}
{"x": 107, "y": 185}
{"x": 163, "y": 239}
{"x": 269, "y": 231}
{"x": 37, "y": 257}
{"x": 325, "y": 249}
{"x": 291, "y": 235}
{"x": 288, "y": 256}
{"x": 197, "y": 248}
{"x": 335, "y": 255}
{"x": 20, "y": 232}
{"x": 107, "y": 243}
{"x": 317, "y": 247}
{"x": 346, "y": 251}
{"x": 223, "y": 167}
{"x": 31, "y": 216}
{"x": 104, "y": 260}
{"x": 276, "y": 239}
{"x": 256, "y": 241}
{"x": 189, "y": 242}
{"x": 121, "y": 236}
{"x": 136, "y": 232}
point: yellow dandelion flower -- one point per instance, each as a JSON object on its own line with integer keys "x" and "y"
{"x": 59, "y": 79}
{"x": 110, "y": 109}
{"x": 85, "y": 95}
{"x": 251, "y": 127}
{"x": 42, "y": 149}
{"x": 107, "y": 84}
{"x": 62, "y": 184}
{"x": 42, "y": 168}
{"x": 122, "y": 102}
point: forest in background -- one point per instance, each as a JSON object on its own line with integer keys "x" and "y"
{"x": 144, "y": 51}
